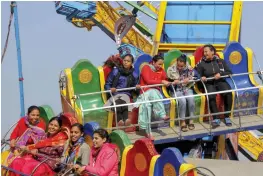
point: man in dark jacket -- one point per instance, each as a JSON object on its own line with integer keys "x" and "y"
{"x": 212, "y": 66}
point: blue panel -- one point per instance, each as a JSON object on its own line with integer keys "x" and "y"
{"x": 176, "y": 13}
{"x": 129, "y": 49}
{"x": 90, "y": 127}
{"x": 183, "y": 3}
{"x": 140, "y": 60}
{"x": 182, "y": 33}
{"x": 198, "y": 11}
{"x": 248, "y": 98}
{"x": 80, "y": 10}
{"x": 169, "y": 155}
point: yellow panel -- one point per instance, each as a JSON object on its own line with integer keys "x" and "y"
{"x": 186, "y": 167}
{"x": 70, "y": 91}
{"x": 102, "y": 83}
{"x": 202, "y": 106}
{"x": 152, "y": 164}
{"x": 110, "y": 119}
{"x": 164, "y": 47}
{"x": 253, "y": 81}
{"x": 236, "y": 19}
{"x": 124, "y": 158}
{"x": 250, "y": 143}
{"x": 172, "y": 107}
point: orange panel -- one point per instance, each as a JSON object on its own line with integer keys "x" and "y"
{"x": 139, "y": 158}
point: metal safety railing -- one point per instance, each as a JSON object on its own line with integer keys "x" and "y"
{"x": 175, "y": 98}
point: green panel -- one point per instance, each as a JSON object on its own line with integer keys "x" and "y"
{"x": 120, "y": 138}
{"x": 170, "y": 56}
{"x": 85, "y": 79}
{"x": 46, "y": 113}
{"x": 169, "y": 59}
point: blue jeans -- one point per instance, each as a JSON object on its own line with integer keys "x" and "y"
{"x": 183, "y": 101}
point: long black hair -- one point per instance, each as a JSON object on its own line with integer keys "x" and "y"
{"x": 157, "y": 57}
{"x": 182, "y": 58}
{"x": 79, "y": 126}
{"x": 32, "y": 108}
{"x": 58, "y": 119}
{"x": 211, "y": 47}
{"x": 103, "y": 134}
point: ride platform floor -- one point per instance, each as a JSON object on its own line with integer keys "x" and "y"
{"x": 228, "y": 167}
{"x": 202, "y": 129}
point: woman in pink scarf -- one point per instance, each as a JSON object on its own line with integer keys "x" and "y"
{"x": 29, "y": 130}
{"x": 51, "y": 147}
{"x": 103, "y": 160}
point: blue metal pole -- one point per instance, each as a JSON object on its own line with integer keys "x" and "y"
{"x": 21, "y": 87}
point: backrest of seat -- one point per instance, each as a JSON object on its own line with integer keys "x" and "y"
{"x": 171, "y": 56}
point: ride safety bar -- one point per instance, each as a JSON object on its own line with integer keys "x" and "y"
{"x": 171, "y": 98}
{"x": 157, "y": 85}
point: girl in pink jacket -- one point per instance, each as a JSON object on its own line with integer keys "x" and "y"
{"x": 103, "y": 160}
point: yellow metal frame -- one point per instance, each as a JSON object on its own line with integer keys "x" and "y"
{"x": 151, "y": 7}
{"x": 107, "y": 17}
{"x": 165, "y": 47}
{"x": 235, "y": 21}
{"x": 159, "y": 27}
{"x": 104, "y": 97}
{"x": 253, "y": 81}
{"x": 70, "y": 95}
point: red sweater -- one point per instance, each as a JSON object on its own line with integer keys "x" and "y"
{"x": 150, "y": 77}
{"x": 21, "y": 127}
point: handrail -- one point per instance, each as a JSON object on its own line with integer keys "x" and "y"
{"x": 208, "y": 107}
{"x": 156, "y": 85}
{"x": 177, "y": 106}
{"x": 171, "y": 98}
{"x": 13, "y": 170}
{"x": 237, "y": 100}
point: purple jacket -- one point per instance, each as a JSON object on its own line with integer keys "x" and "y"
{"x": 122, "y": 82}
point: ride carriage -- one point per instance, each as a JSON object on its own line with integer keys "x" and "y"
{"x": 83, "y": 96}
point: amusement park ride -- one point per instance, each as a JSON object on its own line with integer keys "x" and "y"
{"x": 181, "y": 27}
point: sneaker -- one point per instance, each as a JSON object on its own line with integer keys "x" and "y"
{"x": 216, "y": 123}
{"x": 228, "y": 121}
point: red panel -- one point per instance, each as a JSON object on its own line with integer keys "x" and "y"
{"x": 139, "y": 158}
{"x": 68, "y": 120}
{"x": 198, "y": 54}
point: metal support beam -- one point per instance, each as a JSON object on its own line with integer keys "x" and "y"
{"x": 19, "y": 59}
